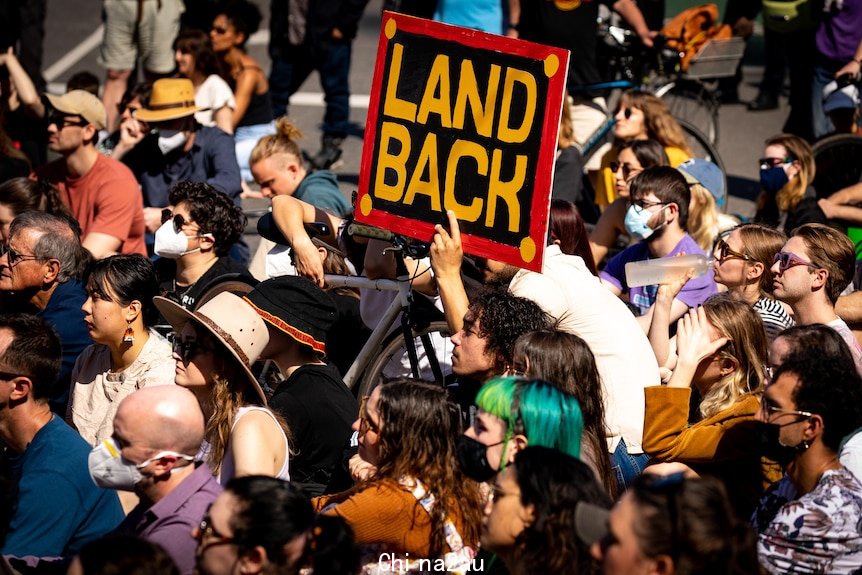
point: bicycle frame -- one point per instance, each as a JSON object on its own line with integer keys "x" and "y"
{"x": 398, "y": 305}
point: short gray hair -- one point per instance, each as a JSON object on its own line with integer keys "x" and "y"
{"x": 57, "y": 240}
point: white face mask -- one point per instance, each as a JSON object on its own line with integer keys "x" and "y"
{"x": 170, "y": 140}
{"x": 171, "y": 243}
{"x": 108, "y": 469}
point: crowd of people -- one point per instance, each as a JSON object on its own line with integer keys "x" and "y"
{"x": 172, "y": 403}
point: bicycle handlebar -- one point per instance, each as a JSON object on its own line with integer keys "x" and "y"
{"x": 370, "y": 232}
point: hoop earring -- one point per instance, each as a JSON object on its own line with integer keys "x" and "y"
{"x": 129, "y": 336}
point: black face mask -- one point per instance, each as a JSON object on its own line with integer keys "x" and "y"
{"x": 473, "y": 459}
{"x": 772, "y": 448}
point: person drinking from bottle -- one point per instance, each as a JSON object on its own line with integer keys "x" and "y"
{"x": 658, "y": 213}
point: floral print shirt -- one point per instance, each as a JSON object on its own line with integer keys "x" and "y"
{"x": 820, "y": 532}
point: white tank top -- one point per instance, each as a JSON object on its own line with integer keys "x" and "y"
{"x": 228, "y": 467}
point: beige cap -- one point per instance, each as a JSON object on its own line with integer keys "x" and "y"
{"x": 231, "y": 321}
{"x": 81, "y": 103}
{"x": 171, "y": 98}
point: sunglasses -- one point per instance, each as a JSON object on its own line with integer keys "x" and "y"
{"x": 179, "y": 221}
{"x": 641, "y": 205}
{"x": 627, "y": 169}
{"x": 189, "y": 348}
{"x": 766, "y": 163}
{"x": 62, "y": 121}
{"x": 14, "y": 257}
{"x": 787, "y": 260}
{"x": 207, "y": 531}
{"x": 725, "y": 252}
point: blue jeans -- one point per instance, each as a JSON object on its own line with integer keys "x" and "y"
{"x": 626, "y": 466}
{"x": 822, "y": 76}
{"x": 245, "y": 139}
{"x": 333, "y": 64}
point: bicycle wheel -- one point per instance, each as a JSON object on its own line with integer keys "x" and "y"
{"x": 691, "y": 102}
{"x": 702, "y": 148}
{"x": 392, "y": 361}
{"x": 838, "y": 161}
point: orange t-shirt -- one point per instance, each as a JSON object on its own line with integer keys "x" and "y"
{"x": 106, "y": 200}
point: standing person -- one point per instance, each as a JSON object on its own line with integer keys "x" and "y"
{"x": 309, "y": 36}
{"x": 743, "y": 264}
{"x": 315, "y": 403}
{"x": 101, "y": 193}
{"x": 157, "y": 433}
{"x": 812, "y": 403}
{"x": 277, "y": 166}
{"x": 810, "y": 272}
{"x": 196, "y": 60}
{"x": 214, "y": 349}
{"x": 136, "y": 29}
{"x": 58, "y": 508}
{"x": 235, "y": 22}
{"x": 659, "y": 201}
{"x": 128, "y": 354}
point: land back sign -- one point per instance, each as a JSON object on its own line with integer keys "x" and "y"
{"x": 465, "y": 121}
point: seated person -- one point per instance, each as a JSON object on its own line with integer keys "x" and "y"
{"x": 194, "y": 240}
{"x": 659, "y": 214}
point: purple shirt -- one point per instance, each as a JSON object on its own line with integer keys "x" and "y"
{"x": 840, "y": 31}
{"x": 695, "y": 292}
{"x": 169, "y": 522}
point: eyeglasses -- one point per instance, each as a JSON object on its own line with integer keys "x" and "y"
{"x": 641, "y": 205}
{"x": 627, "y": 169}
{"x": 62, "y": 121}
{"x": 207, "y": 531}
{"x": 725, "y": 252}
{"x": 766, "y": 163}
{"x": 769, "y": 410}
{"x": 787, "y": 260}
{"x": 189, "y": 348}
{"x": 365, "y": 422}
{"x": 14, "y": 257}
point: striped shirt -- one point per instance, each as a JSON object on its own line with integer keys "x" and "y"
{"x": 774, "y": 316}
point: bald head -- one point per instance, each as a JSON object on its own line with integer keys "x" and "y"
{"x": 165, "y": 417}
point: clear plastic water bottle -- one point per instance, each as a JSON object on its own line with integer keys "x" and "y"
{"x": 665, "y": 270}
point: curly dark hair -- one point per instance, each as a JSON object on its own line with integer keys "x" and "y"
{"x": 553, "y": 483}
{"x": 244, "y": 16}
{"x": 503, "y": 318}
{"x": 829, "y": 386}
{"x": 212, "y": 211}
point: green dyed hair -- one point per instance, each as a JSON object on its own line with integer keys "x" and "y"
{"x": 543, "y": 413}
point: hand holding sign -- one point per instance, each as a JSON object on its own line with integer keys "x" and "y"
{"x": 446, "y": 251}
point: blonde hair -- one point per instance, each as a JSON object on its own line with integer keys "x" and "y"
{"x": 702, "y": 217}
{"x": 282, "y": 142}
{"x": 660, "y": 124}
{"x": 793, "y": 191}
{"x": 566, "y": 138}
{"x": 747, "y": 346}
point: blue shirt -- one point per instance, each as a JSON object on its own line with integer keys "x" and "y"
{"x": 320, "y": 189}
{"x": 59, "y": 508}
{"x": 64, "y": 314}
{"x": 695, "y": 292}
{"x": 212, "y": 159}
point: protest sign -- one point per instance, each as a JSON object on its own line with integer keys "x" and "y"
{"x": 467, "y": 121}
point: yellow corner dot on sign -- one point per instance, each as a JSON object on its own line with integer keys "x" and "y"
{"x": 390, "y": 28}
{"x": 552, "y": 64}
{"x": 528, "y": 249}
{"x": 365, "y": 205}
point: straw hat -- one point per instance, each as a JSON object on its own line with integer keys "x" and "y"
{"x": 231, "y": 321}
{"x": 171, "y": 98}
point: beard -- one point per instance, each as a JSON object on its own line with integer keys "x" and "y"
{"x": 501, "y": 278}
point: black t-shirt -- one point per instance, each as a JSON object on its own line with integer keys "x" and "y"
{"x": 187, "y": 296}
{"x": 573, "y": 29}
{"x": 348, "y": 334}
{"x": 320, "y": 410}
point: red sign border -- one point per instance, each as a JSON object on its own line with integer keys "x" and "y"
{"x": 547, "y": 150}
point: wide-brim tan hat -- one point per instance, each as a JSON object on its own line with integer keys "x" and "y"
{"x": 231, "y": 321}
{"x": 171, "y": 98}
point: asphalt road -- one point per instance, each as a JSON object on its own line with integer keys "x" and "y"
{"x": 73, "y": 35}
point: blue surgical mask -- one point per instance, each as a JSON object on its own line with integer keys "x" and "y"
{"x": 637, "y": 221}
{"x": 773, "y": 179}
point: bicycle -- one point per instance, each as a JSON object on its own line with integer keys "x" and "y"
{"x": 389, "y": 352}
